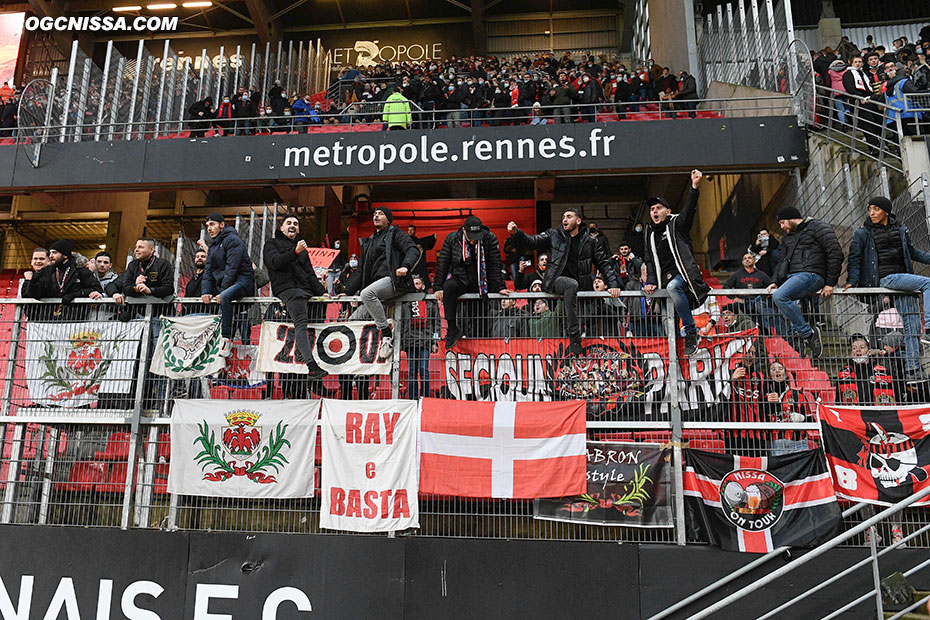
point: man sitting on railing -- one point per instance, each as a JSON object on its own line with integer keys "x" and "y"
{"x": 387, "y": 258}
{"x": 670, "y": 259}
{"x": 882, "y": 254}
{"x": 228, "y": 274}
{"x": 811, "y": 260}
{"x": 574, "y": 253}
{"x": 294, "y": 281}
{"x": 62, "y": 278}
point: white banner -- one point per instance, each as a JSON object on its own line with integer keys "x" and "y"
{"x": 69, "y": 364}
{"x": 188, "y": 347}
{"x": 243, "y": 448}
{"x": 369, "y": 478}
{"x": 349, "y": 348}
{"x": 242, "y": 367}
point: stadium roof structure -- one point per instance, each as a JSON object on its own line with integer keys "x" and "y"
{"x": 273, "y": 19}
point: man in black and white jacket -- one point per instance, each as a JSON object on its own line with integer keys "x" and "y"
{"x": 670, "y": 262}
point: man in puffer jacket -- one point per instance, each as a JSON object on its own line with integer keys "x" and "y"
{"x": 811, "y": 260}
{"x": 881, "y": 254}
{"x": 228, "y": 274}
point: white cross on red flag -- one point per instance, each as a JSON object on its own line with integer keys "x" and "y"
{"x": 502, "y": 449}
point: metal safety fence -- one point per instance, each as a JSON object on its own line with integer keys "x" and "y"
{"x": 102, "y": 459}
{"x": 744, "y": 43}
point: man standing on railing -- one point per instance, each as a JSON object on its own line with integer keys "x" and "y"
{"x": 228, "y": 274}
{"x": 62, "y": 278}
{"x": 811, "y": 260}
{"x": 882, "y": 254}
{"x": 387, "y": 258}
{"x": 670, "y": 260}
{"x": 469, "y": 262}
{"x": 294, "y": 282}
{"x": 573, "y": 256}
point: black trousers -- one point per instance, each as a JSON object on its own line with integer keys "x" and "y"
{"x": 568, "y": 289}
{"x": 471, "y": 325}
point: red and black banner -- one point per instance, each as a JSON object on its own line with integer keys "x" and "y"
{"x": 879, "y": 455}
{"x": 757, "y": 504}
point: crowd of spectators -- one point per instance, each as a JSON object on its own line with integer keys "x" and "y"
{"x": 540, "y": 89}
{"x": 861, "y": 78}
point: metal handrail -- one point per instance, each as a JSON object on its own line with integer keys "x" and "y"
{"x": 812, "y": 555}
{"x": 771, "y": 555}
{"x": 141, "y": 130}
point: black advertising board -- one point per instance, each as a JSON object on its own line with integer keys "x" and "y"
{"x": 742, "y": 144}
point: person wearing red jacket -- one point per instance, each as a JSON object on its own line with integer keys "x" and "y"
{"x": 224, "y": 115}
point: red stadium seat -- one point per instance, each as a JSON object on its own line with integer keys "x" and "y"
{"x": 116, "y": 481}
{"x": 84, "y": 476}
{"x": 117, "y": 448}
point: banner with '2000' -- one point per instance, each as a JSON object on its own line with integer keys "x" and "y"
{"x": 349, "y": 348}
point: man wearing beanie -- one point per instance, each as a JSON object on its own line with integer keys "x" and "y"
{"x": 62, "y": 278}
{"x": 387, "y": 257}
{"x": 882, "y": 254}
{"x": 811, "y": 260}
{"x": 228, "y": 274}
{"x": 469, "y": 262}
{"x": 670, "y": 262}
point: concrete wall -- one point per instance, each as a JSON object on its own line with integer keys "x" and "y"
{"x": 668, "y": 33}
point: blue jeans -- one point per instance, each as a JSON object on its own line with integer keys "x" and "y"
{"x": 788, "y": 446}
{"x": 907, "y": 306}
{"x": 786, "y": 296}
{"x": 418, "y": 367}
{"x": 676, "y": 290}
{"x": 840, "y": 111}
{"x": 227, "y": 297}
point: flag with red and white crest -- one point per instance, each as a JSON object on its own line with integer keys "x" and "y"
{"x": 879, "y": 455}
{"x": 243, "y": 448}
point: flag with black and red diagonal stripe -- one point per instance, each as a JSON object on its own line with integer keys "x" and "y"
{"x": 879, "y": 455}
{"x": 757, "y": 504}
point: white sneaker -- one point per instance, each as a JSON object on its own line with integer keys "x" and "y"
{"x": 386, "y": 348}
{"x": 225, "y": 347}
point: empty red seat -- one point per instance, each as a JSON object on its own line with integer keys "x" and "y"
{"x": 84, "y": 476}
{"x": 117, "y": 448}
{"x": 116, "y": 480}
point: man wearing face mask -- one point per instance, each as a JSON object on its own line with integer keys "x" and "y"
{"x": 471, "y": 258}
{"x": 294, "y": 282}
{"x": 590, "y": 94}
{"x": 687, "y": 92}
{"x": 455, "y": 103}
{"x": 224, "y": 114}
{"x": 865, "y": 380}
{"x": 302, "y": 109}
{"x": 245, "y": 112}
{"x": 562, "y": 96}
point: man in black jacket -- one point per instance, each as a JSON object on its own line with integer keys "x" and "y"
{"x": 147, "y": 274}
{"x": 387, "y": 258}
{"x": 687, "y": 92}
{"x": 228, "y": 273}
{"x": 471, "y": 259}
{"x": 201, "y": 112}
{"x": 62, "y": 278}
{"x": 573, "y": 255}
{"x": 882, "y": 254}
{"x": 294, "y": 281}
{"x": 195, "y": 284}
{"x": 811, "y": 259}
{"x": 670, "y": 261}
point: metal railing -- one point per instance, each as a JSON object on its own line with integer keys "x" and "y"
{"x": 870, "y": 525}
{"x": 368, "y": 116}
{"x": 103, "y": 460}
